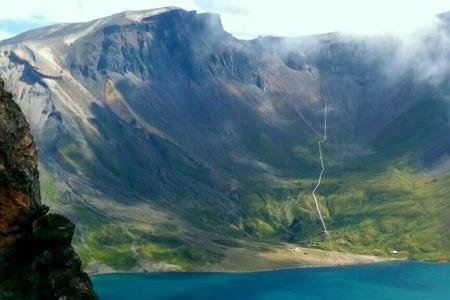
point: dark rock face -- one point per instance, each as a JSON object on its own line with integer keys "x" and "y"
{"x": 19, "y": 183}
{"x": 37, "y": 260}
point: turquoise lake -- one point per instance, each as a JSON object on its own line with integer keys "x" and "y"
{"x": 397, "y": 281}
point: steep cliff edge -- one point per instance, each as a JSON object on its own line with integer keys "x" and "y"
{"x": 37, "y": 260}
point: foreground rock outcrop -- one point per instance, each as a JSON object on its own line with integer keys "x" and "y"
{"x": 37, "y": 260}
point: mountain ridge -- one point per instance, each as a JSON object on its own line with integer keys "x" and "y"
{"x": 168, "y": 124}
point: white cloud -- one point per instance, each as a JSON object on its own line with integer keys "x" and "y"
{"x": 302, "y": 17}
{"x": 254, "y": 17}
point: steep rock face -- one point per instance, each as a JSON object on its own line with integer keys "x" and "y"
{"x": 37, "y": 260}
{"x": 19, "y": 183}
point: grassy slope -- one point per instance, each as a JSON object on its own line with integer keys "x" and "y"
{"x": 378, "y": 203}
{"x": 392, "y": 207}
{"x": 386, "y": 201}
{"x": 396, "y": 208}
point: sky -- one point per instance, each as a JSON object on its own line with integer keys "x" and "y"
{"x": 242, "y": 18}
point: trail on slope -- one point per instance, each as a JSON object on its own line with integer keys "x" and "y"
{"x": 323, "y": 140}
{"x": 319, "y": 180}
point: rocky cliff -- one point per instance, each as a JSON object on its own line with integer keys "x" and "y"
{"x": 37, "y": 260}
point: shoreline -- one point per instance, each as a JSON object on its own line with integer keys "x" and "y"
{"x": 325, "y": 266}
{"x": 250, "y": 259}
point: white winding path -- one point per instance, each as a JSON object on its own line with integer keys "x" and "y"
{"x": 324, "y": 226}
{"x": 323, "y": 140}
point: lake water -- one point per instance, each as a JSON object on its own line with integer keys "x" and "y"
{"x": 397, "y": 281}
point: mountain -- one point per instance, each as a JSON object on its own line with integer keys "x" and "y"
{"x": 37, "y": 260}
{"x": 175, "y": 145}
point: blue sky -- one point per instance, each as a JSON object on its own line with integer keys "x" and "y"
{"x": 243, "y": 18}
{"x": 12, "y": 27}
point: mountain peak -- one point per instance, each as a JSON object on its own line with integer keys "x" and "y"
{"x": 73, "y": 31}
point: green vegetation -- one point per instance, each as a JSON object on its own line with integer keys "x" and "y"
{"x": 48, "y": 187}
{"x": 394, "y": 208}
{"x": 380, "y": 203}
{"x": 122, "y": 247}
{"x": 398, "y": 209}
{"x": 391, "y": 206}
